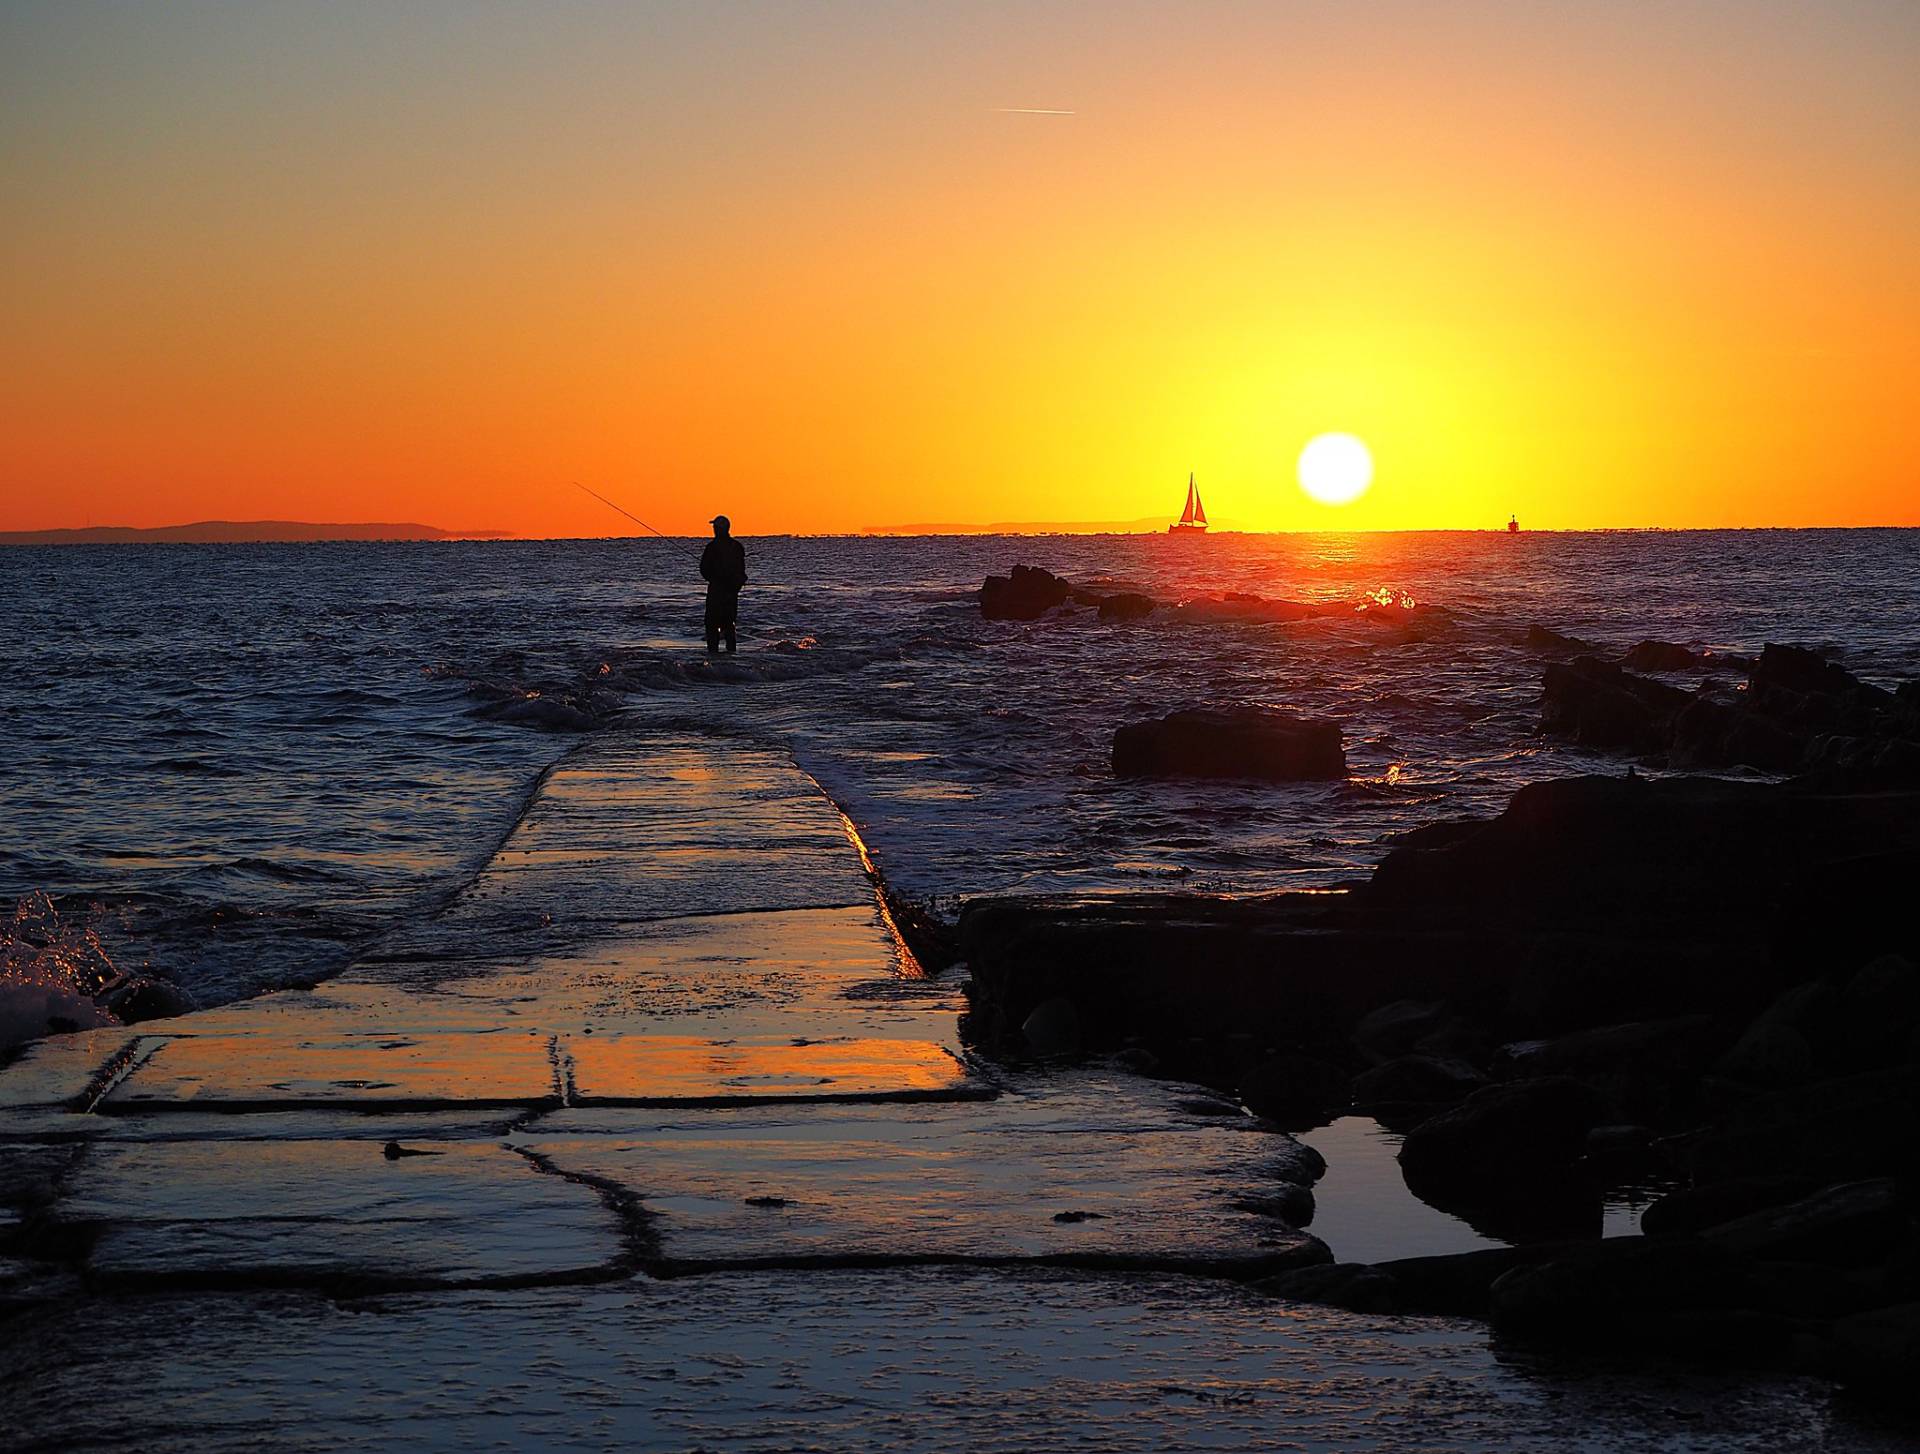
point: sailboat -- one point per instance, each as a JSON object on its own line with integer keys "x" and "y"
{"x": 1193, "y": 519}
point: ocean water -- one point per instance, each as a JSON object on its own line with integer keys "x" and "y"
{"x": 241, "y": 765}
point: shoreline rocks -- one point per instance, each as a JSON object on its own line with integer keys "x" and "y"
{"x": 1797, "y": 712}
{"x": 1617, "y": 982}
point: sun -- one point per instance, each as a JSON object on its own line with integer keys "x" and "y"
{"x": 1335, "y": 469}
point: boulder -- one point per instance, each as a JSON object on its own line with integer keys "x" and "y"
{"x": 1053, "y": 1028}
{"x": 1602, "y": 707}
{"x": 1026, "y": 594}
{"x": 1416, "y": 1080}
{"x": 1391, "y": 1031}
{"x": 1295, "y": 1090}
{"x": 1846, "y": 1129}
{"x": 1800, "y": 671}
{"x": 1126, "y": 606}
{"x": 1850, "y": 1224}
{"x": 144, "y": 997}
{"x": 1231, "y": 742}
{"x": 1878, "y": 1012}
{"x": 1694, "y": 1209}
{"x": 1455, "y": 1284}
{"x": 1504, "y": 1133}
{"x": 1712, "y": 733}
{"x": 1878, "y": 1351}
{"x": 1661, "y": 656}
{"x": 1593, "y": 1293}
{"x": 1354, "y": 1286}
{"x": 1770, "y": 1055}
{"x": 1677, "y": 1044}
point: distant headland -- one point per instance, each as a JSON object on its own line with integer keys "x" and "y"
{"x": 240, "y": 532}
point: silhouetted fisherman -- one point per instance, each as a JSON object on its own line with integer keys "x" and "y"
{"x": 724, "y": 566}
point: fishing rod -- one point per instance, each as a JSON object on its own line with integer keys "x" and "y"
{"x": 629, "y": 514}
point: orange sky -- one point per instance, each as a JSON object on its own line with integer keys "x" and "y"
{"x": 1599, "y": 265}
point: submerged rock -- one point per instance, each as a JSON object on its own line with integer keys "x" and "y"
{"x": 1540, "y": 638}
{"x": 1229, "y": 742}
{"x": 1127, "y": 606}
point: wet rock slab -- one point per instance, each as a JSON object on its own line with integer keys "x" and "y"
{"x": 334, "y": 1213}
{"x": 1090, "y": 1173}
{"x": 934, "y": 1359}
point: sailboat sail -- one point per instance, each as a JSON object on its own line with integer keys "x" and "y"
{"x": 1194, "y": 518}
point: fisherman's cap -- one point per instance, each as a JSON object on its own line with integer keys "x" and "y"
{"x": 721, "y": 520}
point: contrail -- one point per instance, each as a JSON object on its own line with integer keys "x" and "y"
{"x": 1032, "y": 111}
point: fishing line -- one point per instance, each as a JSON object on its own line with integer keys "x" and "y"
{"x": 677, "y": 540}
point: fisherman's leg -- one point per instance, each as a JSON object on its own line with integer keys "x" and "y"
{"x": 732, "y": 644}
{"x": 713, "y": 638}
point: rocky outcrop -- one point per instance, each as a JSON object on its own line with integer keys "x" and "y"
{"x": 1541, "y": 638}
{"x": 1231, "y": 742}
{"x": 1798, "y": 712}
{"x": 1026, "y": 594}
{"x": 1600, "y": 706}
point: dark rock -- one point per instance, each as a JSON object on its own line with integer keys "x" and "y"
{"x": 142, "y": 997}
{"x": 1294, "y": 1090}
{"x": 1074, "y": 1217}
{"x": 1504, "y": 1133}
{"x": 1661, "y": 656}
{"x": 1027, "y": 594}
{"x": 1602, "y": 707}
{"x": 1617, "y": 1153}
{"x": 1289, "y": 1202}
{"x": 1350, "y": 1285}
{"x": 1694, "y": 1209}
{"x": 1391, "y": 1031}
{"x": 1416, "y": 1080}
{"x": 1878, "y": 1012}
{"x": 1539, "y": 638}
{"x": 1877, "y": 1350}
{"x": 1849, "y": 1224}
{"x": 1674, "y": 859}
{"x": 1454, "y": 1285}
{"x": 1675, "y": 1044}
{"x": 1243, "y": 742}
{"x": 1127, "y": 606}
{"x": 1710, "y": 733}
{"x": 1770, "y": 1054}
{"x": 1798, "y": 670}
{"x": 771, "y": 1203}
{"x": 1592, "y": 1293}
{"x": 1847, "y": 1129}
{"x": 1053, "y": 1028}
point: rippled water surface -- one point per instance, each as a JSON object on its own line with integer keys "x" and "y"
{"x": 244, "y": 762}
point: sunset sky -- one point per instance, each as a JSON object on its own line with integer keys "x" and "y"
{"x": 1600, "y": 264}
